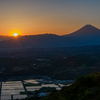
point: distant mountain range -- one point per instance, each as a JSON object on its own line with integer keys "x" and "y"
{"x": 87, "y": 35}
{"x": 45, "y": 40}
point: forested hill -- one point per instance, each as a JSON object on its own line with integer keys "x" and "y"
{"x": 85, "y": 88}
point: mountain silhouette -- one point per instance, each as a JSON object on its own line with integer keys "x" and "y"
{"x": 87, "y": 35}
{"x": 44, "y": 40}
{"x": 86, "y": 32}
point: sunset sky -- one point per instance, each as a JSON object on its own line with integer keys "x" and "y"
{"x": 31, "y": 17}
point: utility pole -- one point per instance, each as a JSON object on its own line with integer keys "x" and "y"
{"x": 11, "y": 97}
{"x": 0, "y": 88}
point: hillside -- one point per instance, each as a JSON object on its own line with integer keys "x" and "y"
{"x": 85, "y": 88}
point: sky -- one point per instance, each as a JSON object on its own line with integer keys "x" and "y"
{"x": 32, "y": 17}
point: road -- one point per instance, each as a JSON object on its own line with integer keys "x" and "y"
{"x": 59, "y": 86}
{"x": 25, "y": 88}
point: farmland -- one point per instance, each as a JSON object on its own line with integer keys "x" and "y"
{"x": 20, "y": 89}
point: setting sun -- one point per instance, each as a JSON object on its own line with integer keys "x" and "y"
{"x": 15, "y": 34}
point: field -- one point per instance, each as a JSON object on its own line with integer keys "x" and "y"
{"x": 11, "y": 88}
{"x": 16, "y": 88}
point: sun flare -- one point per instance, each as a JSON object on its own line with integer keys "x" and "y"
{"x": 15, "y": 34}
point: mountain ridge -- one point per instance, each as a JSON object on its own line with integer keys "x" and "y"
{"x": 87, "y": 35}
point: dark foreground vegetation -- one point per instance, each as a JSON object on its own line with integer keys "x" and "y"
{"x": 85, "y": 88}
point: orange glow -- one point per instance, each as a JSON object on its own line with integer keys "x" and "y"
{"x": 15, "y": 33}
